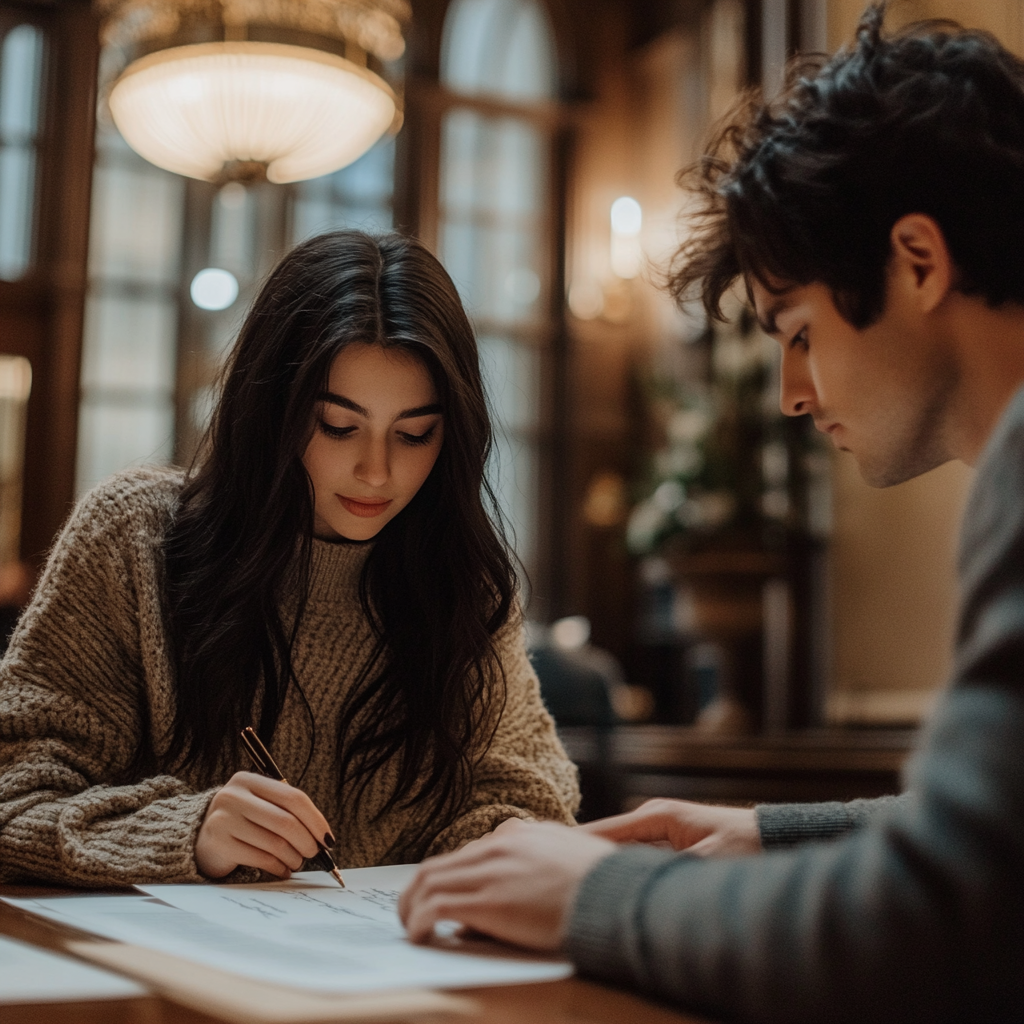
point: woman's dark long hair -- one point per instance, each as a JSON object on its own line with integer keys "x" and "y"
{"x": 439, "y": 581}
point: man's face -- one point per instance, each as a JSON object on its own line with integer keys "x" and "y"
{"x": 883, "y": 394}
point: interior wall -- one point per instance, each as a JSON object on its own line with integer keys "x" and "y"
{"x": 648, "y": 111}
{"x": 893, "y": 576}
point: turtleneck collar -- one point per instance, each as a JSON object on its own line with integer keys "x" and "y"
{"x": 335, "y": 568}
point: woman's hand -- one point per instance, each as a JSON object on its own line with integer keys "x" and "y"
{"x": 699, "y": 829}
{"x": 259, "y": 823}
{"x": 517, "y": 884}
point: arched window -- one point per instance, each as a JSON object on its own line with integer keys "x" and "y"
{"x": 494, "y": 226}
{"x": 499, "y": 48}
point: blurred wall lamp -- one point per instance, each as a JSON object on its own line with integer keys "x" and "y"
{"x": 626, "y": 255}
{"x": 252, "y": 90}
{"x": 611, "y": 299}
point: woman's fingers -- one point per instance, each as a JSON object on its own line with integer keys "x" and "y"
{"x": 257, "y": 857}
{"x": 258, "y": 822}
{"x": 294, "y": 801}
{"x": 220, "y": 848}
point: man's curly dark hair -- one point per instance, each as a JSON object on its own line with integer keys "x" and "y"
{"x": 806, "y": 188}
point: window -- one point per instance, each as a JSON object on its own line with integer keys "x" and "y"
{"x": 21, "y": 81}
{"x": 151, "y": 356}
{"x": 127, "y": 410}
{"x": 494, "y": 226}
{"x": 357, "y": 196}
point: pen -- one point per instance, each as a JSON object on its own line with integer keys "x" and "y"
{"x": 264, "y": 764}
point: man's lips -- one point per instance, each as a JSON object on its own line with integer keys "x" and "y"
{"x": 832, "y": 430}
{"x": 364, "y": 509}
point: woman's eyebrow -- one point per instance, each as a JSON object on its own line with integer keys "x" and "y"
{"x": 345, "y": 403}
{"x": 407, "y": 414}
{"x": 420, "y": 410}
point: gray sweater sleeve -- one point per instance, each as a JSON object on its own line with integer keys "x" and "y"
{"x": 919, "y": 914}
{"x": 783, "y": 825}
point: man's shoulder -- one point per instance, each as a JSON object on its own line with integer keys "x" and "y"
{"x": 992, "y": 538}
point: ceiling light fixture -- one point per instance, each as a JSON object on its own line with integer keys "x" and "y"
{"x": 251, "y": 90}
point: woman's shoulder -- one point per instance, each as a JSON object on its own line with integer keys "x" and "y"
{"x": 139, "y": 500}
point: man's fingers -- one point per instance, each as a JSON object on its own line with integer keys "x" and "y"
{"x": 421, "y": 902}
{"x": 632, "y": 828}
{"x": 441, "y": 907}
{"x": 448, "y": 866}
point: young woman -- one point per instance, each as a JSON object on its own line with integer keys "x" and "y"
{"x": 326, "y": 573}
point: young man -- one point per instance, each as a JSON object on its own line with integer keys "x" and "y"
{"x": 876, "y": 216}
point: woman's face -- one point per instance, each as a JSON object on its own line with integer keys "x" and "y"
{"x": 377, "y": 435}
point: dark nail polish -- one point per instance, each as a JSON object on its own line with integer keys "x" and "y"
{"x": 329, "y": 840}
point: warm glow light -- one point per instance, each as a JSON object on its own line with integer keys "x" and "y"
{"x": 301, "y": 112}
{"x": 627, "y": 217}
{"x": 15, "y": 380}
{"x": 627, "y": 257}
{"x": 214, "y": 289}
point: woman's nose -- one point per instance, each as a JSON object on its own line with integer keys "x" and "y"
{"x": 373, "y": 468}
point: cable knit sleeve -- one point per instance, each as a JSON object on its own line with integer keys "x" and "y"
{"x": 84, "y": 679}
{"x": 526, "y": 772}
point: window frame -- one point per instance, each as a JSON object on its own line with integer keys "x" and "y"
{"x": 418, "y": 210}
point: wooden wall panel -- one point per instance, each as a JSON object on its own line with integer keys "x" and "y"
{"x": 42, "y": 316}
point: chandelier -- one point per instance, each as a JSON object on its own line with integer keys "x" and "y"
{"x": 250, "y": 90}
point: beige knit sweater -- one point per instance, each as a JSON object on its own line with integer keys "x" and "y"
{"x": 89, "y": 670}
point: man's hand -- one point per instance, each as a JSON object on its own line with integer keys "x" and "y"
{"x": 697, "y": 828}
{"x": 259, "y": 823}
{"x": 517, "y": 884}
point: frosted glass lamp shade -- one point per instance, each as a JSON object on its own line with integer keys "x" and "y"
{"x": 301, "y": 112}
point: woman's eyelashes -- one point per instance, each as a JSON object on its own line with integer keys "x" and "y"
{"x": 332, "y": 431}
{"x": 412, "y": 439}
{"x": 424, "y": 438}
{"x": 799, "y": 340}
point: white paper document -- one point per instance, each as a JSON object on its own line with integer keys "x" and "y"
{"x": 32, "y": 975}
{"x": 306, "y": 932}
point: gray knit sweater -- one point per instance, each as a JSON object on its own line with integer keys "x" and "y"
{"x": 89, "y": 670}
{"x": 917, "y": 915}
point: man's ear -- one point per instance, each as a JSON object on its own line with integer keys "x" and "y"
{"x": 921, "y": 259}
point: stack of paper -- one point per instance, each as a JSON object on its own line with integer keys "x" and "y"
{"x": 307, "y": 933}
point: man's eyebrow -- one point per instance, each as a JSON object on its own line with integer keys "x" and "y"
{"x": 406, "y": 414}
{"x": 767, "y": 322}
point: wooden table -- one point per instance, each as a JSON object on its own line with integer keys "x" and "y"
{"x": 561, "y": 1002}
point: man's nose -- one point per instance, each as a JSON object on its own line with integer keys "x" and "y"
{"x": 796, "y": 388}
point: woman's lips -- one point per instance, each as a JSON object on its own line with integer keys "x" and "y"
{"x": 364, "y": 509}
